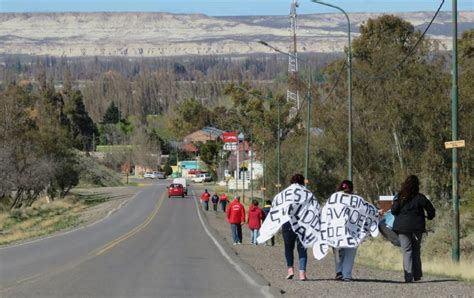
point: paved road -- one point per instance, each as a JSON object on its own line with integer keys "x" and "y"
{"x": 151, "y": 247}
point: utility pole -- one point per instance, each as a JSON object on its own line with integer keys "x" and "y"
{"x": 454, "y": 131}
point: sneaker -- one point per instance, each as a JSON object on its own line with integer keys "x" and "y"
{"x": 235, "y": 243}
{"x": 291, "y": 273}
{"x": 346, "y": 279}
{"x": 338, "y": 276}
{"x": 303, "y": 276}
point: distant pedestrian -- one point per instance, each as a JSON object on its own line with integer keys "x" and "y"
{"x": 236, "y": 218}
{"x": 254, "y": 221}
{"x": 409, "y": 208}
{"x": 344, "y": 257}
{"x": 266, "y": 209}
{"x": 205, "y": 200}
{"x": 224, "y": 200}
{"x": 290, "y": 239}
{"x": 215, "y": 200}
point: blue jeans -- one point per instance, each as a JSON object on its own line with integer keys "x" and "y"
{"x": 223, "y": 205}
{"x": 344, "y": 258}
{"x": 290, "y": 238}
{"x": 205, "y": 205}
{"x": 236, "y": 231}
{"x": 253, "y": 236}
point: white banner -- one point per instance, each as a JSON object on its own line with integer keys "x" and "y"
{"x": 297, "y": 205}
{"x": 346, "y": 221}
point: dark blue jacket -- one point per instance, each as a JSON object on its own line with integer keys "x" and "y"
{"x": 410, "y": 215}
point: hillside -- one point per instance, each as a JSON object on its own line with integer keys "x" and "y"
{"x": 164, "y": 34}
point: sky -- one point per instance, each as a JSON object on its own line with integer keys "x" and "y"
{"x": 226, "y": 7}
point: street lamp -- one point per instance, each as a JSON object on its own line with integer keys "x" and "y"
{"x": 308, "y": 120}
{"x": 278, "y": 184}
{"x": 349, "y": 87}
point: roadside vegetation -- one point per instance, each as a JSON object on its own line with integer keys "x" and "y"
{"x": 52, "y": 108}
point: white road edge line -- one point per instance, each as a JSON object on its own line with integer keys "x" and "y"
{"x": 73, "y": 230}
{"x": 264, "y": 290}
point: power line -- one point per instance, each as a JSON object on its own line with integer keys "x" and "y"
{"x": 410, "y": 52}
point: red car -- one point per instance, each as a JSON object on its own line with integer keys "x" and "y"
{"x": 175, "y": 190}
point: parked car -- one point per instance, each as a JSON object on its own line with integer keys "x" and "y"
{"x": 181, "y": 181}
{"x": 203, "y": 177}
{"x": 149, "y": 175}
{"x": 175, "y": 190}
{"x": 160, "y": 175}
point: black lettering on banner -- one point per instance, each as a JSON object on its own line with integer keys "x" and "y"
{"x": 297, "y": 195}
{"x": 360, "y": 221}
{"x": 330, "y": 231}
{"x": 302, "y": 232}
{"x": 308, "y": 217}
{"x": 323, "y": 247}
{"x": 344, "y": 199}
{"x": 339, "y": 242}
{"x": 329, "y": 214}
{"x": 273, "y": 216}
{"x": 333, "y": 199}
{"x": 363, "y": 203}
{"x": 341, "y": 212}
{"x": 279, "y": 200}
{"x": 340, "y": 231}
{"x": 310, "y": 238}
{"x": 351, "y": 241}
{"x": 354, "y": 216}
{"x": 308, "y": 194}
{"x": 354, "y": 201}
{"x": 323, "y": 235}
{"x": 288, "y": 195}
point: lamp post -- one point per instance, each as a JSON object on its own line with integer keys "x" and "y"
{"x": 349, "y": 87}
{"x": 454, "y": 132}
{"x": 309, "y": 98}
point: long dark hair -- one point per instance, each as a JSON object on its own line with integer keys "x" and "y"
{"x": 410, "y": 188}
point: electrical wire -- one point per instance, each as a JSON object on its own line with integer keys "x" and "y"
{"x": 339, "y": 75}
{"x": 410, "y": 52}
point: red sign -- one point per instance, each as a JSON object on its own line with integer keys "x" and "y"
{"x": 230, "y": 137}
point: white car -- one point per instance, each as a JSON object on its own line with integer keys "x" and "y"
{"x": 203, "y": 177}
{"x": 150, "y": 175}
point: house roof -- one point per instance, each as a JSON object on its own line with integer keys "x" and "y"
{"x": 189, "y": 147}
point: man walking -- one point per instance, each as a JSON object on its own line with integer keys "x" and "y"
{"x": 236, "y": 218}
{"x": 205, "y": 200}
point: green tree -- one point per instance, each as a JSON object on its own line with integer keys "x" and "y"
{"x": 112, "y": 114}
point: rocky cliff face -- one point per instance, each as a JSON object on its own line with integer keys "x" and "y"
{"x": 163, "y": 34}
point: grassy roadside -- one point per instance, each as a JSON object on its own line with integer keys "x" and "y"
{"x": 45, "y": 218}
{"x": 381, "y": 254}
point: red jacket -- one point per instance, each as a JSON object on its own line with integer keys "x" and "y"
{"x": 255, "y": 217}
{"x": 205, "y": 196}
{"x": 236, "y": 212}
{"x": 223, "y": 197}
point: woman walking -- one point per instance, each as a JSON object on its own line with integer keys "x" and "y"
{"x": 254, "y": 221}
{"x": 290, "y": 239}
{"x": 409, "y": 208}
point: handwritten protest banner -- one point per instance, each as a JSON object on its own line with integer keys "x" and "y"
{"x": 346, "y": 221}
{"x": 297, "y": 205}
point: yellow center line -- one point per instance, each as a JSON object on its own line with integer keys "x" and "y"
{"x": 96, "y": 252}
{"x": 132, "y": 232}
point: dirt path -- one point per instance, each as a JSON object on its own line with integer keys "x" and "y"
{"x": 368, "y": 282}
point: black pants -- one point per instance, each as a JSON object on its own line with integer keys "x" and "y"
{"x": 411, "y": 249}
{"x": 214, "y": 205}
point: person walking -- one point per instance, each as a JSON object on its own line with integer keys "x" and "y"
{"x": 409, "y": 208}
{"x": 236, "y": 218}
{"x": 290, "y": 239}
{"x": 265, "y": 210}
{"x": 215, "y": 200}
{"x": 254, "y": 221}
{"x": 344, "y": 257}
{"x": 205, "y": 200}
{"x": 224, "y": 200}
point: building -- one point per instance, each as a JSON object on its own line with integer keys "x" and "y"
{"x": 204, "y": 135}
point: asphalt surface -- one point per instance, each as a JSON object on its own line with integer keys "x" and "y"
{"x": 151, "y": 247}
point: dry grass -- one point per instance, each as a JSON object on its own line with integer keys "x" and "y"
{"x": 381, "y": 254}
{"x": 40, "y": 219}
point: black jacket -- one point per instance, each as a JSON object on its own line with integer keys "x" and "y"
{"x": 410, "y": 215}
